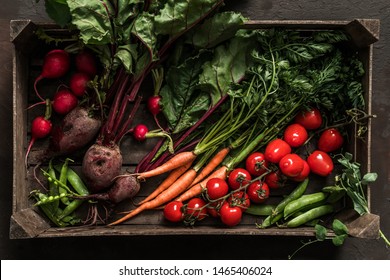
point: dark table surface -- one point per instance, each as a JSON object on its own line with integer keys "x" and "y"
{"x": 211, "y": 247}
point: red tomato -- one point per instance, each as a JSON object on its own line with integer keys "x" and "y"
{"x": 291, "y": 165}
{"x": 304, "y": 173}
{"x": 311, "y": 119}
{"x": 173, "y": 211}
{"x": 213, "y": 208}
{"x": 238, "y": 177}
{"x": 330, "y": 140}
{"x": 274, "y": 180}
{"x": 240, "y": 199}
{"x": 276, "y": 149}
{"x": 258, "y": 192}
{"x": 295, "y": 135}
{"x": 230, "y": 216}
{"x": 256, "y": 164}
{"x": 216, "y": 188}
{"x": 320, "y": 163}
{"x": 196, "y": 209}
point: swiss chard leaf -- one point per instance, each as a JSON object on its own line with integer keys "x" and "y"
{"x": 93, "y": 19}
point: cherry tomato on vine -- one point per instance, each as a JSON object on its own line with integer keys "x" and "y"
{"x": 258, "y": 192}
{"x": 230, "y": 215}
{"x": 291, "y": 165}
{"x": 276, "y": 149}
{"x": 213, "y": 208}
{"x": 330, "y": 140}
{"x": 216, "y": 188}
{"x": 196, "y": 209}
{"x": 310, "y": 119}
{"x": 173, "y": 211}
{"x": 320, "y": 163}
{"x": 256, "y": 164}
{"x": 295, "y": 135}
{"x": 274, "y": 179}
{"x": 304, "y": 173}
{"x": 238, "y": 177}
{"x": 240, "y": 199}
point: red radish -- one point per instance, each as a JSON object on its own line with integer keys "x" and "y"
{"x": 55, "y": 65}
{"x": 153, "y": 104}
{"x": 86, "y": 63}
{"x": 140, "y": 132}
{"x": 64, "y": 102}
{"x": 79, "y": 83}
{"x": 40, "y": 128}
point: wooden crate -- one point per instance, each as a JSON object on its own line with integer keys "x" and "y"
{"x": 28, "y": 222}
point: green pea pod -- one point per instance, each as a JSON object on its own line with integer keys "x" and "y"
{"x": 305, "y": 201}
{"x": 295, "y": 194}
{"x": 335, "y": 193}
{"x": 76, "y": 182}
{"x": 69, "y": 209}
{"x": 260, "y": 209}
{"x": 270, "y": 220}
{"x": 310, "y": 215}
{"x": 63, "y": 179}
{"x": 53, "y": 188}
{"x": 48, "y": 210}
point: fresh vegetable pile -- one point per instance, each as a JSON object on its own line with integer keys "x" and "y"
{"x": 241, "y": 114}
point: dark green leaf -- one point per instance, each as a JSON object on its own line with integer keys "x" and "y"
{"x": 320, "y": 232}
{"x": 181, "y": 90}
{"x": 127, "y": 54}
{"x": 228, "y": 66}
{"x": 339, "y": 239}
{"x": 143, "y": 29}
{"x": 58, "y": 11}
{"x": 339, "y": 227}
{"x": 179, "y": 15}
{"x": 369, "y": 178}
{"x": 215, "y": 30}
{"x": 92, "y": 18}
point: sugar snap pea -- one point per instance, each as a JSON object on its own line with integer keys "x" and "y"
{"x": 310, "y": 215}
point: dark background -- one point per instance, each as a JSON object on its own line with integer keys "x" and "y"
{"x": 210, "y": 247}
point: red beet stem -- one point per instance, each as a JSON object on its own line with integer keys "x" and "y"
{"x": 129, "y": 120}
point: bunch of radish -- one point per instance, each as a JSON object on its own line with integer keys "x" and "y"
{"x": 57, "y": 65}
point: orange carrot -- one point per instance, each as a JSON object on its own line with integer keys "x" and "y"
{"x": 179, "y": 186}
{"x": 197, "y": 188}
{"x": 213, "y": 163}
{"x": 176, "y": 173}
{"x": 178, "y": 160}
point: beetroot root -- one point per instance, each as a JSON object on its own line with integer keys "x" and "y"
{"x": 124, "y": 187}
{"x": 101, "y": 165}
{"x": 75, "y": 131}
